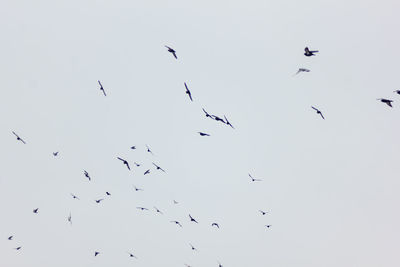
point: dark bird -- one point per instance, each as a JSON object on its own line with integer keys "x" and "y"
{"x": 10, "y": 237}
{"x": 108, "y": 193}
{"x": 133, "y": 147}
{"x": 74, "y": 197}
{"x": 141, "y": 208}
{"x": 99, "y": 200}
{"x": 302, "y": 70}
{"x": 263, "y": 212}
{"x": 193, "y": 248}
{"x": 215, "y": 224}
{"x": 18, "y": 248}
{"x": 36, "y": 210}
{"x": 125, "y": 162}
{"x": 386, "y": 101}
{"x": 207, "y": 115}
{"x": 136, "y": 164}
{"x": 158, "y": 211}
{"x": 217, "y": 118}
{"x": 188, "y": 92}
{"x": 397, "y": 92}
{"x": 146, "y": 172}
{"x": 55, "y": 154}
{"x": 175, "y": 202}
{"x": 96, "y": 253}
{"x": 131, "y": 255}
{"x": 19, "y": 138}
{"x": 70, "y": 218}
{"x": 309, "y": 53}
{"x": 254, "y": 179}
{"x": 148, "y": 150}
{"x": 176, "y": 222}
{"x": 101, "y": 88}
{"x": 138, "y": 189}
{"x": 203, "y": 134}
{"x": 172, "y": 51}
{"x": 192, "y": 219}
{"x": 86, "y": 174}
{"x": 318, "y": 112}
{"x": 268, "y": 225}
{"x": 227, "y": 122}
{"x": 158, "y": 167}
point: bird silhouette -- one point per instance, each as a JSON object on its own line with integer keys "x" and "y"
{"x": 262, "y": 212}
{"x": 70, "y": 218}
{"x": 301, "y": 70}
{"x": 86, "y": 174}
{"x": 146, "y": 172}
{"x": 268, "y": 225}
{"x": 175, "y": 202}
{"x": 96, "y": 253}
{"x": 19, "y": 138}
{"x": 397, "y": 92}
{"x": 141, "y": 208}
{"x": 203, "y": 134}
{"x": 101, "y": 88}
{"x": 207, "y": 115}
{"x": 386, "y": 101}
{"x": 218, "y": 118}
{"x": 99, "y": 200}
{"x": 254, "y": 179}
{"x": 10, "y": 237}
{"x": 227, "y": 122}
{"x": 318, "y": 112}
{"x": 172, "y": 51}
{"x": 136, "y": 164}
{"x": 158, "y": 211}
{"x": 133, "y": 147}
{"x": 131, "y": 255}
{"x": 158, "y": 167}
{"x": 309, "y": 53}
{"x": 193, "y": 248}
{"x": 108, "y": 193}
{"x": 55, "y": 154}
{"x": 188, "y": 92}
{"x": 176, "y": 222}
{"x": 36, "y": 210}
{"x": 138, "y": 189}
{"x": 17, "y": 248}
{"x": 148, "y": 150}
{"x": 215, "y": 224}
{"x": 74, "y": 197}
{"x": 192, "y": 219}
{"x": 125, "y": 162}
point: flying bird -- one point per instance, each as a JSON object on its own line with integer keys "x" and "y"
{"x": 309, "y": 53}
{"x": 36, "y": 210}
{"x": 218, "y": 118}
{"x": 19, "y": 138}
{"x": 138, "y": 189}
{"x": 133, "y": 147}
{"x": 148, "y": 150}
{"x": 172, "y": 51}
{"x": 301, "y": 70}
{"x": 125, "y": 162}
{"x": 146, "y": 172}
{"x": 141, "y": 208}
{"x": 263, "y": 212}
{"x": 158, "y": 167}
{"x": 176, "y": 222}
{"x": 192, "y": 219}
{"x": 386, "y": 101}
{"x": 227, "y": 122}
{"x": 17, "y": 248}
{"x": 318, "y": 112}
{"x": 10, "y": 237}
{"x": 73, "y": 196}
{"x": 188, "y": 92}
{"x": 268, "y": 225}
{"x": 131, "y": 255}
{"x": 70, "y": 218}
{"x": 136, "y": 164}
{"x": 86, "y": 174}
{"x": 193, "y": 248}
{"x": 55, "y": 154}
{"x": 101, "y": 88}
{"x": 207, "y": 115}
{"x": 175, "y": 202}
{"x": 203, "y": 134}
{"x": 99, "y": 200}
{"x": 254, "y": 179}
{"x": 215, "y": 224}
{"x": 158, "y": 211}
{"x": 108, "y": 193}
{"x": 96, "y": 253}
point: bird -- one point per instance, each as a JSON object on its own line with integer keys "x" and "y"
{"x": 175, "y": 202}
{"x": 193, "y": 248}
{"x": 73, "y": 196}
{"x": 386, "y": 101}
{"x": 268, "y": 225}
{"x": 397, "y": 92}
{"x": 36, "y": 210}
{"x": 70, "y": 218}
{"x": 108, "y": 193}
{"x": 17, "y": 248}
{"x": 96, "y": 253}
{"x": 176, "y": 222}
{"x": 148, "y": 150}
{"x": 125, "y": 162}
{"x": 227, "y": 122}
{"x": 86, "y": 174}
{"x": 133, "y": 147}
{"x": 188, "y": 92}
{"x": 158, "y": 211}
{"x": 141, "y": 208}
{"x": 19, "y": 138}
{"x": 101, "y": 88}
{"x": 203, "y": 134}
{"x": 263, "y": 212}
{"x": 318, "y": 112}
{"x": 99, "y": 200}
{"x": 309, "y": 53}
{"x": 215, "y": 224}
{"x": 138, "y": 189}
{"x": 172, "y": 51}
{"x": 158, "y": 167}
{"x": 192, "y": 219}
{"x": 10, "y": 237}
{"x": 131, "y": 255}
{"x": 55, "y": 154}
{"x": 207, "y": 115}
{"x": 218, "y": 118}
{"x": 136, "y": 164}
{"x": 254, "y": 179}
{"x": 301, "y": 70}
{"x": 146, "y": 172}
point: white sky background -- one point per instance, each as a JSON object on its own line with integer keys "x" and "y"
{"x": 331, "y": 186}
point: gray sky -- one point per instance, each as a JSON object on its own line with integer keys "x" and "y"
{"x": 331, "y": 187}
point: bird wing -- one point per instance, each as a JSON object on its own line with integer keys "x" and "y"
{"x": 127, "y": 165}
{"x": 322, "y": 115}
{"x": 15, "y": 134}
{"x": 99, "y": 83}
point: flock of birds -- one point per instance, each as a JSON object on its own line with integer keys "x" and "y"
{"x": 147, "y": 171}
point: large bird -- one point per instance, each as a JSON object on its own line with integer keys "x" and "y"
{"x": 386, "y": 101}
{"x": 124, "y": 162}
{"x": 318, "y": 112}
{"x": 309, "y": 53}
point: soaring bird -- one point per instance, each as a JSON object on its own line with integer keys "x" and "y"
{"x": 19, "y": 138}
{"x": 131, "y": 255}
{"x": 172, "y": 51}
{"x": 70, "y": 218}
{"x": 175, "y": 202}
{"x": 73, "y": 196}
{"x": 158, "y": 211}
{"x": 309, "y": 53}
{"x": 17, "y": 248}
{"x": 218, "y": 118}
{"x": 133, "y": 147}
{"x": 148, "y": 150}
{"x": 158, "y": 167}
{"x": 96, "y": 253}
{"x": 99, "y": 200}
{"x": 397, "y": 92}
{"x": 193, "y": 248}
{"x": 136, "y": 164}
{"x": 108, "y": 193}
{"x": 125, "y": 162}
{"x": 386, "y": 101}
{"x": 215, "y": 224}
{"x": 101, "y": 88}
{"x": 268, "y": 225}
{"x": 141, "y": 208}
{"x": 301, "y": 70}
{"x": 138, "y": 189}
{"x": 203, "y": 134}
{"x": 207, "y": 115}
{"x": 318, "y": 112}
{"x": 263, "y": 212}
{"x": 254, "y": 179}
{"x": 36, "y": 210}
{"x": 55, "y": 154}
{"x": 176, "y": 222}
{"x": 227, "y": 122}
{"x": 188, "y": 92}
{"x": 86, "y": 174}
{"x": 146, "y": 172}
{"x": 10, "y": 237}
{"x": 192, "y": 219}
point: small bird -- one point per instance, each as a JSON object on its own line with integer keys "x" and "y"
{"x": 146, "y": 172}
{"x": 172, "y": 51}
{"x": 74, "y": 197}
{"x": 227, "y": 122}
{"x": 148, "y": 150}
{"x": 17, "y": 248}
{"x": 99, "y": 200}
{"x": 136, "y": 164}
{"x": 158, "y": 211}
{"x": 309, "y": 53}
{"x": 101, "y": 88}
{"x": 96, "y": 253}
{"x": 125, "y": 162}
{"x": 86, "y": 174}
{"x": 141, "y": 208}
{"x": 207, "y": 115}
{"x": 386, "y": 101}
{"x": 254, "y": 179}
{"x": 70, "y": 218}
{"x": 158, "y": 167}
{"x": 301, "y": 70}
{"x": 397, "y": 92}
{"x": 218, "y": 118}
{"x": 215, "y": 224}
{"x": 176, "y": 222}
{"x": 268, "y": 225}
{"x": 193, "y": 248}
{"x": 108, "y": 193}
{"x": 19, "y": 138}
{"x": 318, "y": 112}
{"x": 36, "y": 210}
{"x": 203, "y": 134}
{"x": 188, "y": 92}
{"x": 131, "y": 255}
{"x": 192, "y": 219}
{"x": 138, "y": 189}
{"x": 175, "y": 202}
{"x": 10, "y": 237}
{"x": 133, "y": 147}
{"x": 55, "y": 154}
{"x": 263, "y": 212}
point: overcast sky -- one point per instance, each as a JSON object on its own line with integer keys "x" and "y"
{"x": 330, "y": 186}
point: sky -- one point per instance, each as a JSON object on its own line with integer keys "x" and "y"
{"x": 330, "y": 187}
